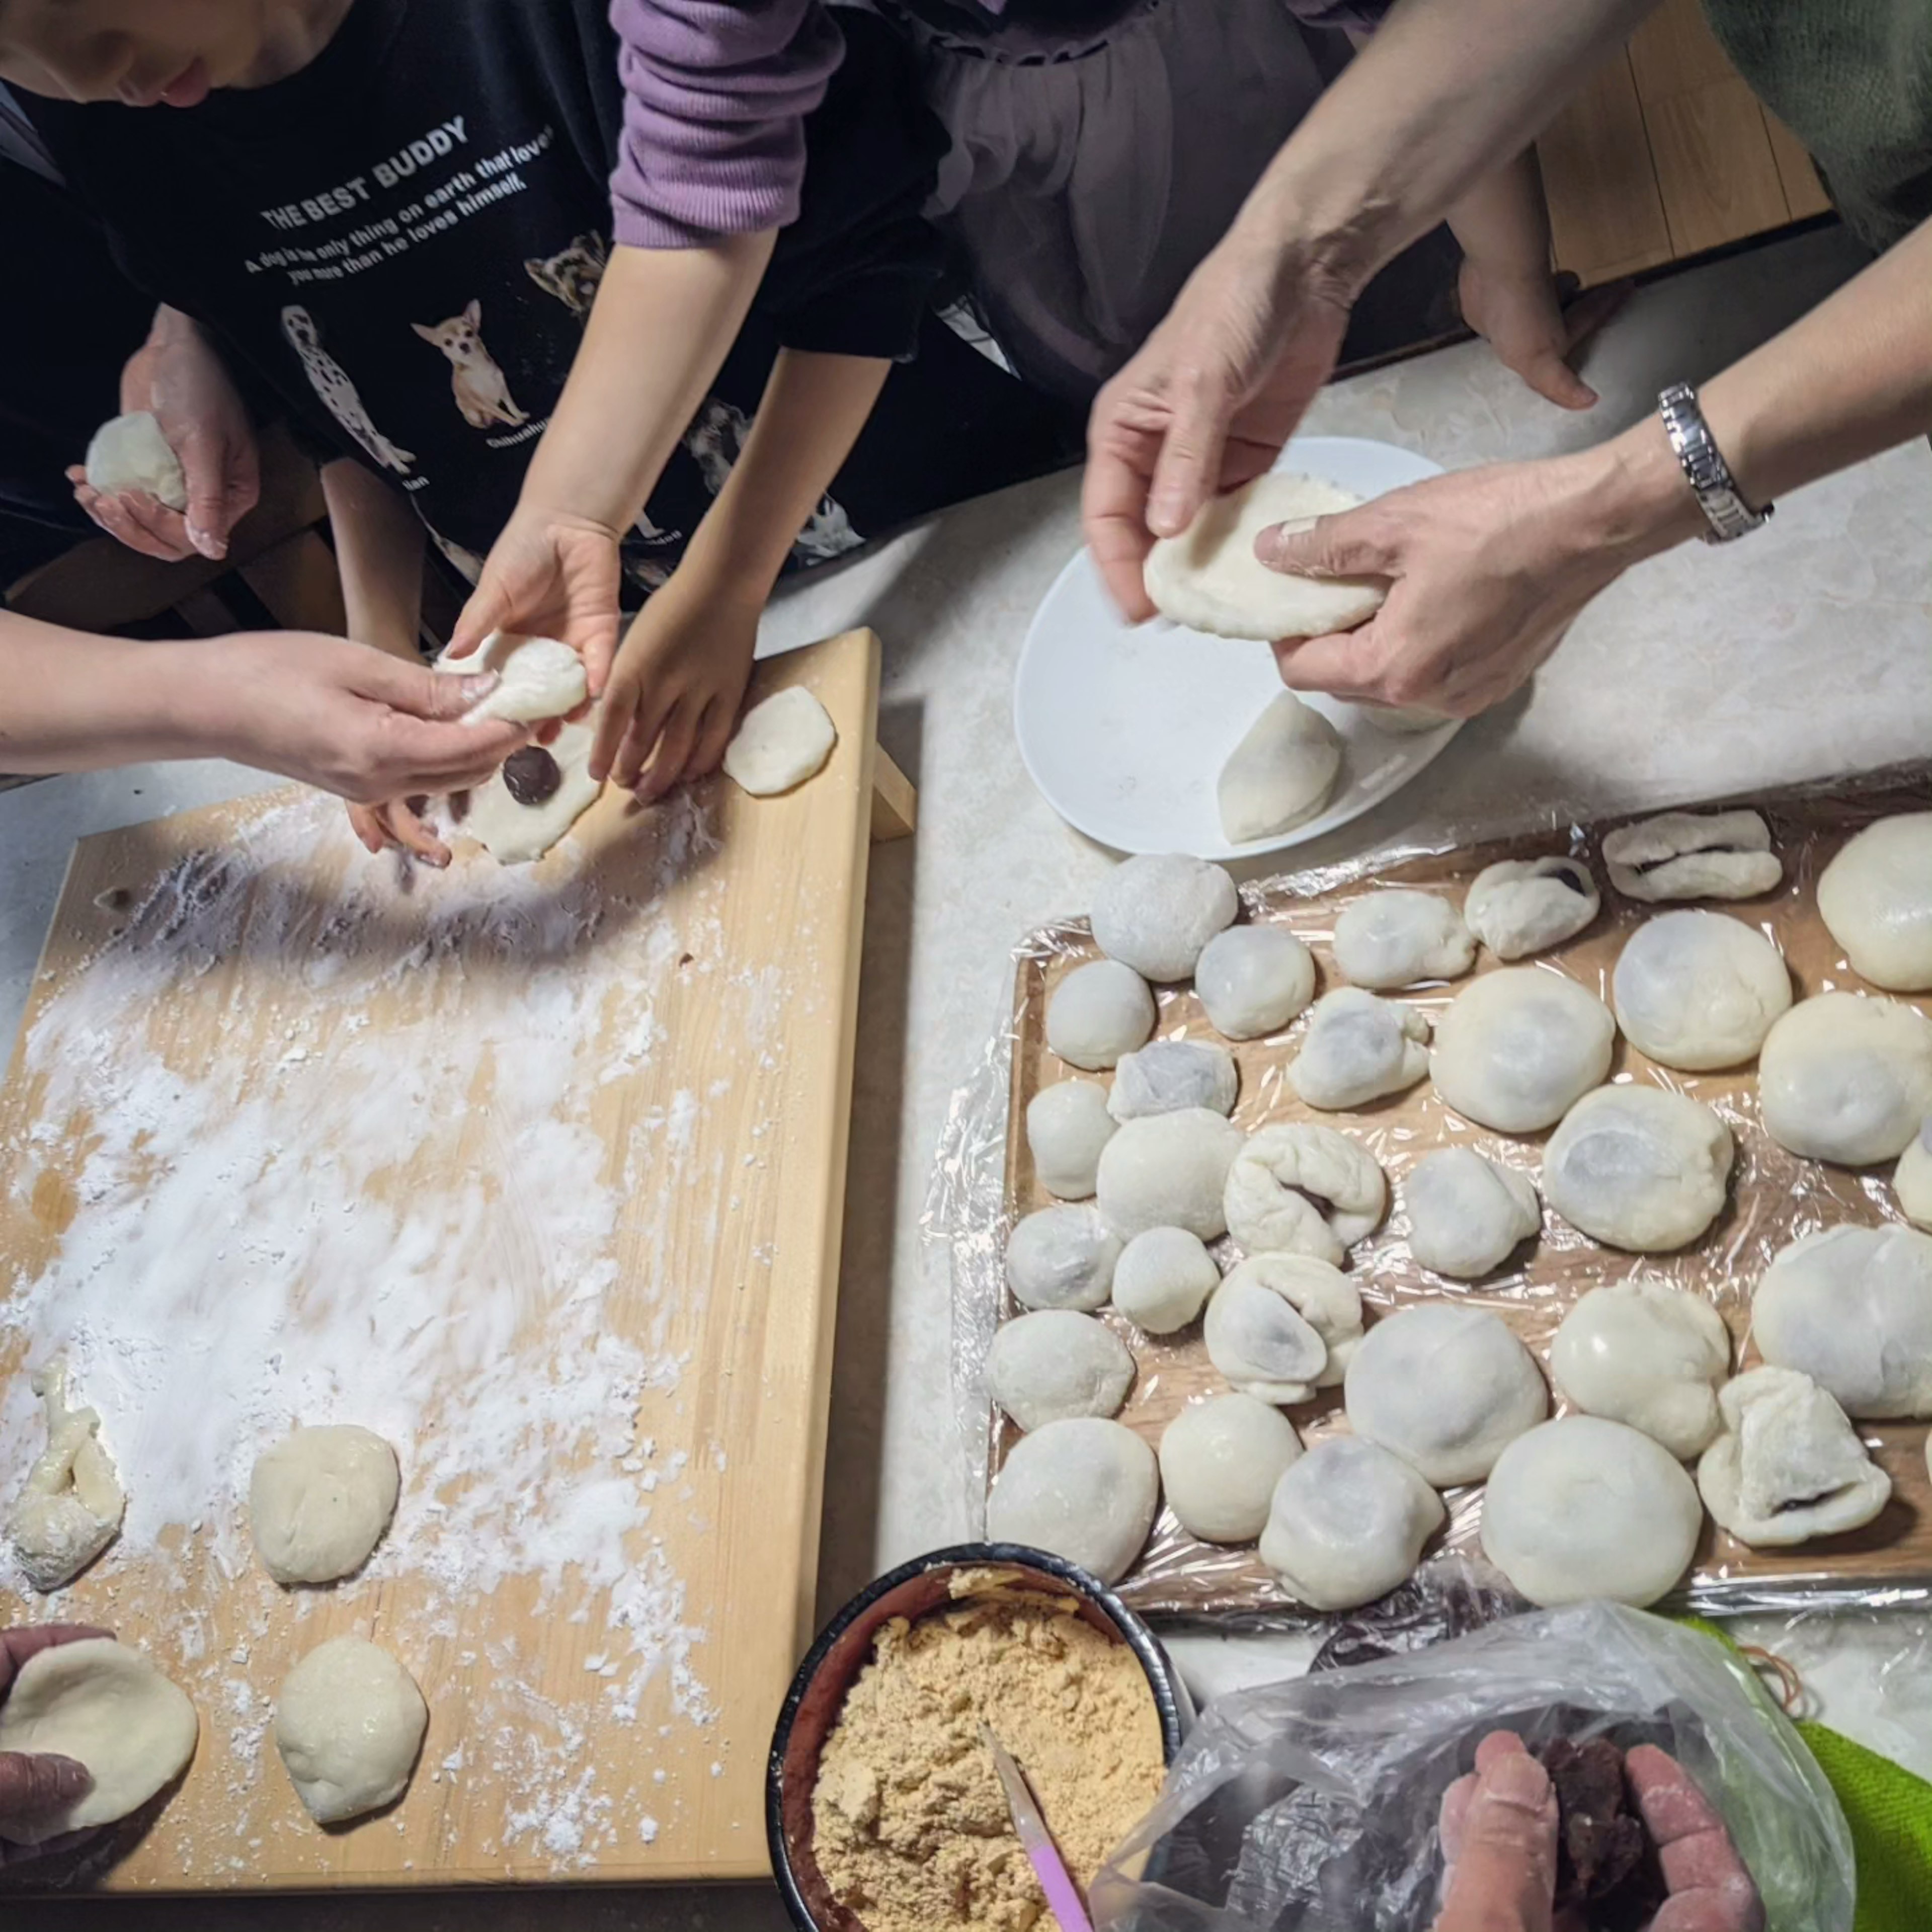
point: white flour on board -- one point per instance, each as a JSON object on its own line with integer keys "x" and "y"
{"x": 243, "y": 1259}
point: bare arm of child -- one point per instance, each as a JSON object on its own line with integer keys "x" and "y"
{"x": 663, "y": 322}
{"x": 675, "y": 690}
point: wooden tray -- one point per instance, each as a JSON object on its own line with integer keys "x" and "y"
{"x": 600, "y": 1337}
{"x": 1775, "y": 1197}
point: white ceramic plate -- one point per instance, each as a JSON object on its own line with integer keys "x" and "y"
{"x": 1125, "y": 730}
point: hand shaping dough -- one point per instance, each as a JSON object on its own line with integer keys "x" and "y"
{"x": 540, "y": 794}
{"x": 540, "y": 678}
{"x": 1517, "y": 1049}
{"x": 1252, "y": 980}
{"x": 1846, "y": 1078}
{"x": 1281, "y": 1326}
{"x": 108, "y": 1707}
{"x": 131, "y": 452}
{"x": 1698, "y": 990}
{"x": 1166, "y": 1075}
{"x": 1156, "y": 913}
{"x": 1852, "y": 1308}
{"x": 1522, "y": 906}
{"x": 1396, "y": 937}
{"x": 1086, "y": 1490}
{"x": 1163, "y": 1279}
{"x": 1788, "y": 1466}
{"x": 1912, "y": 1181}
{"x": 1445, "y": 1387}
{"x": 1357, "y": 1048}
{"x": 1062, "y": 1258}
{"x": 70, "y": 1506}
{"x": 1639, "y": 1167}
{"x": 1169, "y": 1171}
{"x": 781, "y": 743}
{"x": 1281, "y": 772}
{"x": 349, "y": 1724}
{"x": 319, "y": 1501}
{"x": 1099, "y": 1011}
{"x": 1876, "y": 899}
{"x": 1581, "y": 1508}
{"x": 1220, "y": 1460}
{"x": 1647, "y": 1354}
{"x": 1303, "y": 1190}
{"x": 1067, "y": 1124}
{"x": 1210, "y": 579}
{"x": 1467, "y": 1214}
{"x": 1055, "y": 1365}
{"x": 1348, "y": 1524}
{"x": 1689, "y": 855}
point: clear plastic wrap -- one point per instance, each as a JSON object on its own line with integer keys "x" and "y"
{"x": 983, "y": 1182}
{"x": 1311, "y": 1806}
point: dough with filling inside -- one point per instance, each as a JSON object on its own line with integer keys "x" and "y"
{"x": 1067, "y": 1124}
{"x": 1467, "y": 1214}
{"x": 1303, "y": 1190}
{"x": 537, "y": 795}
{"x": 1692, "y": 855}
{"x": 1062, "y": 1258}
{"x": 1163, "y": 1279}
{"x": 1357, "y": 1048}
{"x": 1280, "y": 1327}
{"x": 1639, "y": 1167}
{"x": 1252, "y": 980}
{"x": 1699, "y": 990}
{"x": 1166, "y": 1075}
{"x": 1348, "y": 1523}
{"x": 1156, "y": 912}
{"x": 1281, "y": 774}
{"x": 1845, "y": 1077}
{"x": 1518, "y": 1048}
{"x": 1169, "y": 1171}
{"x": 1395, "y": 937}
{"x": 1055, "y": 1364}
{"x": 1518, "y": 907}
{"x": 1876, "y": 899}
{"x": 1220, "y": 1460}
{"x": 1086, "y": 1490}
{"x": 1648, "y": 1354}
{"x": 1912, "y": 1179}
{"x": 1099, "y": 1011}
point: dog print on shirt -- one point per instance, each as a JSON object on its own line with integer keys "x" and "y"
{"x": 331, "y": 382}
{"x": 716, "y": 441}
{"x": 574, "y": 276}
{"x": 481, "y": 389}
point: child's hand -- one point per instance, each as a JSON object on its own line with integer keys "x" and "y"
{"x": 673, "y": 698}
{"x": 552, "y": 576}
{"x": 1517, "y": 311}
{"x": 398, "y": 823}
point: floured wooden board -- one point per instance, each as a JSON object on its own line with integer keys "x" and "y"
{"x": 1774, "y": 1198}
{"x": 538, "y": 1172}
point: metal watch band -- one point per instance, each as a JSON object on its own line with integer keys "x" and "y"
{"x": 1709, "y": 474}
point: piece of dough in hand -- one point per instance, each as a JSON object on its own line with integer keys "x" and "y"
{"x": 130, "y": 453}
{"x": 1210, "y": 579}
{"x": 320, "y": 1501}
{"x": 349, "y": 1723}
{"x": 1281, "y": 773}
{"x": 538, "y": 678}
{"x": 781, "y": 743}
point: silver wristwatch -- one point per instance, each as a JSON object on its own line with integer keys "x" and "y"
{"x": 1709, "y": 474}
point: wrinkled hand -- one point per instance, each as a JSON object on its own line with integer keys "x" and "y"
{"x": 1518, "y": 314}
{"x": 31, "y": 1785}
{"x": 177, "y": 377}
{"x": 1206, "y": 406}
{"x": 549, "y": 576}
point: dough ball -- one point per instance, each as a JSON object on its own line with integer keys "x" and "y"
{"x": 1303, "y": 1190}
{"x": 1086, "y": 1490}
{"x": 1876, "y": 899}
{"x": 1167, "y": 1075}
{"x": 1156, "y": 913}
{"x": 1444, "y": 1387}
{"x": 1639, "y": 1167}
{"x": 1169, "y": 1171}
{"x": 1395, "y": 937}
{"x": 1253, "y": 979}
{"x": 1643, "y": 1353}
{"x": 131, "y": 452}
{"x": 1517, "y": 1049}
{"x": 1358, "y": 1048}
{"x": 781, "y": 743}
{"x": 1468, "y": 1214}
{"x": 1695, "y": 990}
{"x": 540, "y": 792}
{"x": 1062, "y": 1258}
{"x": 349, "y": 1724}
{"x": 1788, "y": 1465}
{"x": 539, "y": 678}
{"x": 1580, "y": 1508}
{"x": 1281, "y": 772}
{"x": 1852, "y": 1308}
{"x": 1099, "y": 1011}
{"x": 1348, "y": 1524}
{"x": 1690, "y": 855}
{"x": 1163, "y": 1279}
{"x": 320, "y": 1501}
{"x": 1522, "y": 906}
{"x": 1219, "y": 1462}
{"x": 1055, "y": 1365}
{"x": 1209, "y": 578}
{"x": 1067, "y": 1124}
{"x": 1912, "y": 1181}
{"x": 105, "y": 1706}
{"x": 70, "y": 1508}
{"x": 1846, "y": 1078}
{"x": 1281, "y": 1326}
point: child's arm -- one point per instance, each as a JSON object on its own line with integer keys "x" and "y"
{"x": 675, "y": 690}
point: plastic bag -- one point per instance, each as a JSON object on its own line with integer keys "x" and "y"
{"x": 1311, "y": 1806}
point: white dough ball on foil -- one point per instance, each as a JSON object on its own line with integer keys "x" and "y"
{"x": 1067, "y": 1124}
{"x": 1062, "y": 1258}
{"x": 1304, "y": 1188}
{"x": 1639, "y": 1167}
{"x": 1169, "y": 1171}
{"x": 1348, "y": 1523}
{"x": 1054, "y": 1365}
{"x": 1163, "y": 1279}
{"x": 1846, "y": 1078}
{"x": 1648, "y": 1354}
{"x": 1099, "y": 1011}
{"x": 1467, "y": 1214}
{"x": 1518, "y": 1048}
{"x": 1086, "y": 1490}
{"x": 1518, "y": 907}
{"x": 1398, "y": 937}
{"x": 1167, "y": 1076}
{"x": 1253, "y": 979}
{"x": 1357, "y": 1048}
{"x": 1279, "y": 1327}
{"x": 1220, "y": 1460}
{"x": 1699, "y": 990}
{"x": 1876, "y": 899}
{"x": 1156, "y": 912}
{"x": 1912, "y": 1179}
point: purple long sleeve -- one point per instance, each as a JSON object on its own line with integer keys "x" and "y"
{"x": 715, "y": 96}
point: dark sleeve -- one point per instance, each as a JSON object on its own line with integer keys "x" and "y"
{"x": 853, "y": 275}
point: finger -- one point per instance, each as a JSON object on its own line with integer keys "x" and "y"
{"x": 640, "y": 738}
{"x": 675, "y": 744}
{"x": 1190, "y": 461}
{"x": 115, "y": 516}
{"x": 414, "y": 837}
{"x": 34, "y": 1784}
{"x": 1505, "y": 1879}
{"x": 245, "y": 475}
{"x": 166, "y": 528}
{"x": 367, "y": 823}
{"x": 1344, "y": 664}
{"x": 1553, "y": 379}
{"x": 1113, "y": 513}
{"x": 17, "y": 1645}
{"x": 1453, "y": 1822}
{"x": 1348, "y": 545}
{"x": 614, "y": 723}
{"x": 206, "y": 518}
{"x": 1710, "y": 1889}
{"x": 437, "y": 696}
{"x": 714, "y": 734}
{"x": 489, "y": 610}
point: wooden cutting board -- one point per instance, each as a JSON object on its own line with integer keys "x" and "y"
{"x": 538, "y": 1172}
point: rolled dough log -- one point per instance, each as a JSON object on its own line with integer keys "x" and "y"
{"x": 1281, "y": 773}
{"x": 781, "y": 743}
{"x": 129, "y": 452}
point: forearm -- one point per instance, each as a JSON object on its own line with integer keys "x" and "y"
{"x": 1503, "y": 222}
{"x": 663, "y": 323}
{"x": 75, "y": 702}
{"x": 379, "y": 550}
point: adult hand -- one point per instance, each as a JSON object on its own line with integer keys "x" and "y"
{"x": 1710, "y": 1890}
{"x": 31, "y": 1785}
{"x": 177, "y": 377}
{"x": 1519, "y": 313}
{"x": 552, "y": 576}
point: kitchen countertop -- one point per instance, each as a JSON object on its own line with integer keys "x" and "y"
{"x": 1802, "y": 652}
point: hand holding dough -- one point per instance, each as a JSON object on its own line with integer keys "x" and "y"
{"x": 540, "y": 792}
{"x": 538, "y": 678}
{"x": 131, "y": 452}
